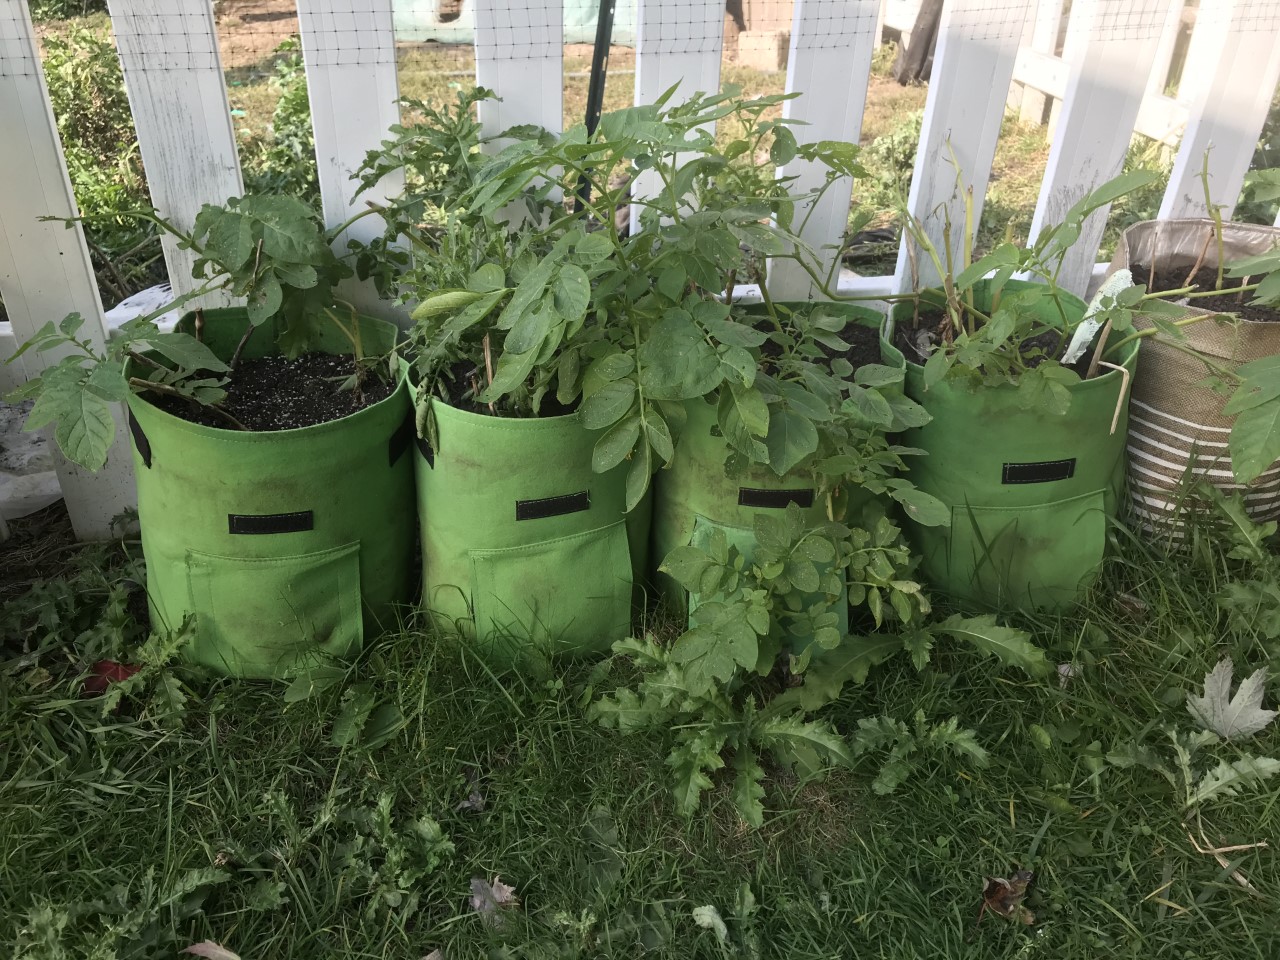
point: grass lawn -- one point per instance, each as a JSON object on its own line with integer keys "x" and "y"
{"x": 206, "y": 809}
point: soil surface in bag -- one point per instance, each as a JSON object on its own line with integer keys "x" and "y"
{"x": 464, "y": 382}
{"x": 1206, "y": 278}
{"x": 276, "y": 393}
{"x": 864, "y": 345}
{"x": 1034, "y": 350}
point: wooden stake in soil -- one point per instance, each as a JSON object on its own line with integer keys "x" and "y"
{"x": 488, "y": 368}
{"x": 1097, "y": 351}
{"x": 1199, "y": 260}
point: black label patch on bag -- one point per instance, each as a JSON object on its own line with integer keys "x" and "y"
{"x": 140, "y": 440}
{"x": 553, "y": 506}
{"x": 263, "y": 523}
{"x": 399, "y": 441}
{"x": 1046, "y": 472}
{"x": 774, "y": 499}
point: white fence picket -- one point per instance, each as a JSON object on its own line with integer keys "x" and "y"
{"x": 45, "y": 272}
{"x": 831, "y": 46}
{"x": 520, "y": 56}
{"x": 173, "y": 74}
{"x": 1243, "y": 67}
{"x": 1108, "y": 78}
{"x": 972, "y": 67}
{"x": 350, "y": 57}
{"x": 679, "y": 43}
{"x": 1045, "y": 26}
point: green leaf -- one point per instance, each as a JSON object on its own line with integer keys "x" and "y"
{"x": 659, "y": 434}
{"x": 1227, "y": 779}
{"x": 1255, "y": 441}
{"x": 487, "y": 278}
{"x": 447, "y": 301}
{"x": 686, "y": 565}
{"x": 107, "y": 381}
{"x": 676, "y": 363}
{"x": 870, "y": 405}
{"x": 85, "y": 429}
{"x": 357, "y": 704}
{"x": 593, "y": 248}
{"x": 1010, "y": 646}
{"x": 608, "y": 404}
{"x": 572, "y": 292}
{"x": 716, "y": 647}
{"x": 187, "y": 352}
{"x": 384, "y": 723}
{"x": 760, "y": 239}
{"x": 924, "y": 508}
{"x": 877, "y": 375}
{"x": 791, "y": 438}
{"x": 312, "y": 682}
{"x": 264, "y": 300}
{"x": 747, "y": 790}
{"x": 787, "y": 731}
{"x": 688, "y": 761}
{"x": 618, "y": 441}
{"x": 639, "y": 475}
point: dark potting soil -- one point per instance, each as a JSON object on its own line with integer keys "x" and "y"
{"x": 864, "y": 345}
{"x": 1034, "y": 350}
{"x": 1206, "y": 278}
{"x": 276, "y": 393}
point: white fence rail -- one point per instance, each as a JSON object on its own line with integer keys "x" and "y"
{"x": 1101, "y": 74}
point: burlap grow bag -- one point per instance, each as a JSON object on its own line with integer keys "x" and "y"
{"x": 287, "y": 547}
{"x": 1177, "y": 429}
{"x": 525, "y": 549}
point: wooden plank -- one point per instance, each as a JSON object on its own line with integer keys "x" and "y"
{"x": 830, "y": 62}
{"x": 173, "y": 74}
{"x": 1106, "y": 84}
{"x": 1044, "y": 40}
{"x": 520, "y": 56}
{"x": 45, "y": 272}
{"x": 972, "y": 67}
{"x": 679, "y": 43}
{"x": 350, "y": 57}
{"x": 1231, "y": 107}
{"x": 1164, "y": 50}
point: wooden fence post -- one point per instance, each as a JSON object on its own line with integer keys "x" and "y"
{"x": 45, "y": 272}
{"x": 1242, "y": 38}
{"x": 1111, "y": 60}
{"x": 520, "y": 56}
{"x": 972, "y": 67}
{"x": 350, "y": 57}
{"x": 173, "y": 73}
{"x": 830, "y": 61}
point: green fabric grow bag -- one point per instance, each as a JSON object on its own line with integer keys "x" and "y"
{"x": 692, "y": 496}
{"x": 288, "y": 547}
{"x": 1030, "y": 493}
{"x": 525, "y": 549}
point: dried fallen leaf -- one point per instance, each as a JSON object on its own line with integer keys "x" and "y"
{"x": 475, "y": 800}
{"x": 1231, "y": 717}
{"x": 211, "y": 951}
{"x": 490, "y": 899}
{"x": 434, "y": 955}
{"x": 1004, "y": 897}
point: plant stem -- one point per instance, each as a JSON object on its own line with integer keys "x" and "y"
{"x": 235, "y": 357}
{"x": 141, "y": 384}
{"x": 1199, "y": 261}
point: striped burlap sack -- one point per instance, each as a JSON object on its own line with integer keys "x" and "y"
{"x": 1177, "y": 430}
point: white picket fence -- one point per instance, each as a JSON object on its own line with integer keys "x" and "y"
{"x": 172, "y": 69}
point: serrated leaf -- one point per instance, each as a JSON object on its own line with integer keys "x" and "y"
{"x": 1232, "y": 718}
{"x": 85, "y": 430}
{"x": 689, "y": 761}
{"x": 1010, "y": 646}
{"x": 747, "y": 790}
{"x": 774, "y": 731}
{"x": 357, "y": 704}
{"x": 1228, "y": 778}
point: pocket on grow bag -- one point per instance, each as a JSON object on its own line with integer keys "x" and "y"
{"x": 1039, "y": 554}
{"x": 313, "y": 599}
{"x": 578, "y": 586}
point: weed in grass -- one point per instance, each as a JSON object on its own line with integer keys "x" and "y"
{"x": 253, "y": 822}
